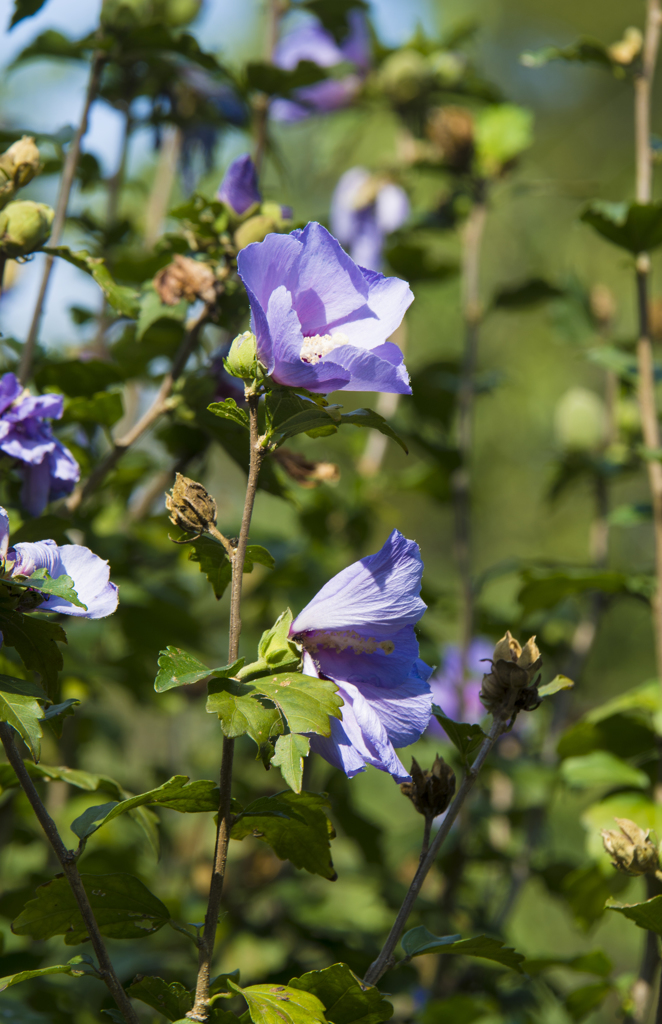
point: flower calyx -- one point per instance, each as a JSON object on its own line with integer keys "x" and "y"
{"x": 631, "y": 850}
{"x": 191, "y": 507}
{"x": 430, "y": 791}
{"x": 512, "y": 685}
{"x": 24, "y": 227}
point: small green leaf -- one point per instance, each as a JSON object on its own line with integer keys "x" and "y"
{"x": 15, "y": 979}
{"x": 466, "y": 738}
{"x": 91, "y": 819}
{"x": 241, "y": 711}
{"x": 25, "y": 9}
{"x": 419, "y": 940}
{"x": 172, "y": 999}
{"x": 636, "y": 227}
{"x": 255, "y": 553}
{"x": 105, "y": 408}
{"x": 372, "y": 419}
{"x": 36, "y": 641}
{"x": 313, "y": 417}
{"x": 557, "y": 683}
{"x": 584, "y": 1000}
{"x": 62, "y": 587}
{"x": 290, "y": 751}
{"x": 601, "y": 768}
{"x": 502, "y": 132}
{"x": 178, "y": 668}
{"x": 585, "y": 51}
{"x": 295, "y": 826}
{"x": 19, "y": 707}
{"x": 279, "y": 1004}
{"x": 345, "y": 998}
{"x": 123, "y": 906}
{"x": 122, "y": 299}
{"x": 152, "y": 310}
{"x": 647, "y": 915}
{"x": 56, "y": 713}
{"x": 213, "y": 561}
{"x": 229, "y": 410}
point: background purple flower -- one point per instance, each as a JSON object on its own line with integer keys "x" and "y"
{"x": 49, "y": 469}
{"x": 446, "y": 682}
{"x": 364, "y": 209}
{"x": 239, "y": 188}
{"x": 359, "y": 631}
{"x": 310, "y": 41}
{"x": 90, "y": 574}
{"x": 321, "y": 321}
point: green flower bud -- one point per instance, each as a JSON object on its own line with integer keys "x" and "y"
{"x": 242, "y": 358}
{"x": 405, "y": 75}
{"x": 24, "y": 227}
{"x": 580, "y": 421}
{"x": 255, "y": 229}
{"x": 125, "y": 15}
{"x": 18, "y": 166}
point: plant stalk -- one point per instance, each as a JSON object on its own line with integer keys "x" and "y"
{"x": 385, "y": 959}
{"x": 158, "y": 406}
{"x": 647, "y": 402}
{"x": 66, "y": 184}
{"x": 67, "y": 860}
{"x": 199, "y": 1011}
{"x": 471, "y": 254}
{"x": 275, "y": 9}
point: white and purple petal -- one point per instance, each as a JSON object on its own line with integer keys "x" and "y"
{"x": 90, "y": 575}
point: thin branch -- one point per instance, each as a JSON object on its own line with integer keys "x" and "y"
{"x": 67, "y": 860}
{"x": 275, "y": 10}
{"x": 156, "y": 409}
{"x": 200, "y": 1007}
{"x": 471, "y": 253}
{"x": 385, "y": 959}
{"x": 66, "y": 184}
{"x": 164, "y": 179}
{"x": 647, "y": 402}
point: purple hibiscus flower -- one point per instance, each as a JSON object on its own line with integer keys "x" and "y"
{"x": 90, "y": 574}
{"x": 321, "y": 321}
{"x": 364, "y": 210}
{"x": 359, "y": 632}
{"x": 49, "y": 469}
{"x": 310, "y": 41}
{"x": 239, "y": 186}
{"x": 446, "y": 683}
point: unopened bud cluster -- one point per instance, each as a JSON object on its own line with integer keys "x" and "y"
{"x": 512, "y": 685}
{"x": 191, "y": 507}
{"x": 631, "y": 850}
{"x": 430, "y": 791}
{"x": 24, "y": 224}
{"x": 18, "y": 166}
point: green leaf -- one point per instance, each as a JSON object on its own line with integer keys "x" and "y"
{"x": 279, "y": 1004}
{"x": 545, "y": 588}
{"x": 19, "y": 707}
{"x": 62, "y": 586}
{"x": 502, "y": 132}
{"x": 213, "y": 561}
{"x": 291, "y": 748}
{"x": 557, "y": 684}
{"x": 334, "y": 14}
{"x": 152, "y": 310}
{"x": 586, "y": 51}
{"x": 177, "y": 793}
{"x": 279, "y": 82}
{"x": 636, "y": 227}
{"x": 601, "y": 768}
{"x": 420, "y": 262}
{"x": 229, "y": 410}
{"x": 466, "y": 738}
{"x": 295, "y": 826}
{"x": 644, "y": 701}
{"x": 306, "y": 702}
{"x": 123, "y": 300}
{"x": 586, "y": 889}
{"x": 71, "y": 968}
{"x": 596, "y": 962}
{"x": 647, "y": 915}
{"x": 77, "y": 379}
{"x": 241, "y": 711}
{"x": 36, "y": 641}
{"x": 313, "y": 417}
{"x": 256, "y": 554}
{"x": 177, "y": 668}
{"x": 345, "y": 999}
{"x": 584, "y": 1000}
{"x": 530, "y": 293}
{"x": 372, "y": 419}
{"x": 123, "y": 906}
{"x": 419, "y": 940}
{"x": 25, "y": 9}
{"x": 172, "y": 1000}
{"x": 106, "y": 408}
{"x": 55, "y": 714}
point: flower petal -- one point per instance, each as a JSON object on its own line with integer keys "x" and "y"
{"x": 307, "y": 42}
{"x": 377, "y": 594}
{"x": 369, "y": 371}
{"x": 404, "y": 710}
{"x": 36, "y": 487}
{"x": 10, "y": 389}
{"x": 90, "y": 575}
{"x": 388, "y": 300}
{"x": 287, "y": 341}
{"x": 239, "y": 188}
{"x": 4, "y": 533}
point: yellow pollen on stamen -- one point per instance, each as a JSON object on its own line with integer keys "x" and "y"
{"x": 342, "y": 640}
{"x": 319, "y": 345}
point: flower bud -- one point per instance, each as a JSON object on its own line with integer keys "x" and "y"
{"x": 24, "y": 227}
{"x": 255, "y": 229}
{"x": 18, "y": 166}
{"x": 630, "y": 849}
{"x": 125, "y": 15}
{"x": 303, "y": 471}
{"x": 242, "y": 360}
{"x": 512, "y": 685}
{"x": 430, "y": 791}
{"x": 405, "y": 75}
{"x": 191, "y": 507}
{"x": 627, "y": 48}
{"x": 186, "y": 278}
{"x": 451, "y": 131}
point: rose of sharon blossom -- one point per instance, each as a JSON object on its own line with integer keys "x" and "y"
{"x": 239, "y": 188}
{"x": 311, "y": 42}
{"x": 49, "y": 469}
{"x": 446, "y": 682}
{"x": 359, "y": 632}
{"x": 364, "y": 210}
{"x": 90, "y": 574}
{"x": 321, "y": 322}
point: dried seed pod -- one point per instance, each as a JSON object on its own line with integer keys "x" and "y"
{"x": 186, "y": 278}
{"x": 512, "y": 685}
{"x": 191, "y": 507}
{"x": 451, "y": 131}
{"x": 630, "y": 849}
{"x": 303, "y": 471}
{"x": 430, "y": 791}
